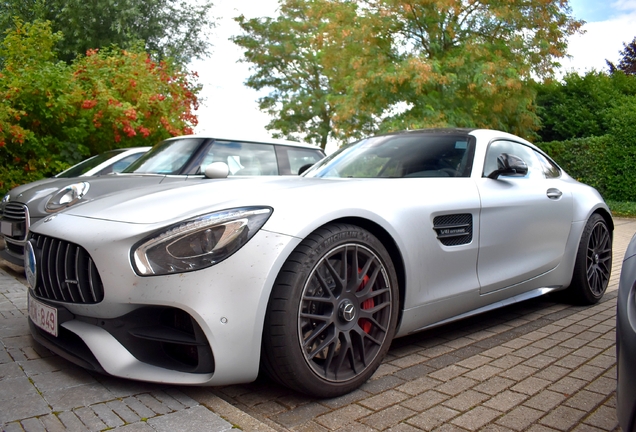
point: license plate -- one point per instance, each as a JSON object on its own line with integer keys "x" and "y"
{"x": 43, "y": 316}
{"x": 6, "y": 228}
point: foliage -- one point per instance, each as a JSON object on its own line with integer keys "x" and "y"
{"x": 581, "y": 106}
{"x": 627, "y": 63}
{"x": 287, "y": 60}
{"x": 393, "y": 64}
{"x": 170, "y": 28}
{"x": 604, "y": 162}
{"x": 53, "y": 114}
{"x": 622, "y": 209}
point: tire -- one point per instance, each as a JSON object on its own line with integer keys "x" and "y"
{"x": 328, "y": 328}
{"x": 593, "y": 263}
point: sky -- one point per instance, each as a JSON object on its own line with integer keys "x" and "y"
{"x": 229, "y": 108}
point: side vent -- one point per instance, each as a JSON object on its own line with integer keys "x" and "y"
{"x": 454, "y": 230}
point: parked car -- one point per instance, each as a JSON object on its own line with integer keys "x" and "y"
{"x": 313, "y": 276}
{"x": 626, "y": 342}
{"x": 112, "y": 161}
{"x": 173, "y": 160}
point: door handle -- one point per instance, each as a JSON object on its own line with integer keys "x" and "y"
{"x": 553, "y": 193}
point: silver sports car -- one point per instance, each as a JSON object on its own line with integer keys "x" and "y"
{"x": 312, "y": 277}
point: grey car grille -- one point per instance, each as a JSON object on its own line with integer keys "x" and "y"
{"x": 66, "y": 272}
{"x": 14, "y": 212}
{"x": 454, "y": 230}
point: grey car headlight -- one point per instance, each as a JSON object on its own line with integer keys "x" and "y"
{"x": 199, "y": 242}
{"x": 67, "y": 196}
{"x": 6, "y": 198}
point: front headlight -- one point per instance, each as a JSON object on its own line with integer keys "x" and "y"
{"x": 198, "y": 243}
{"x": 66, "y": 197}
{"x": 6, "y": 198}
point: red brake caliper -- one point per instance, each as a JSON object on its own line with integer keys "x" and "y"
{"x": 364, "y": 323}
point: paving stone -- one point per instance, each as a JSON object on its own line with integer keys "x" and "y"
{"x": 494, "y": 385}
{"x": 342, "y": 416}
{"x": 71, "y": 422}
{"x": 125, "y": 413}
{"x": 22, "y": 407}
{"x": 383, "y": 400}
{"x": 476, "y": 418}
{"x": 347, "y": 399}
{"x": 482, "y": 373}
{"x": 418, "y": 385}
{"x": 552, "y": 373}
{"x": 408, "y": 360}
{"x": 567, "y": 386}
{"x": 507, "y": 361}
{"x": 432, "y": 418}
{"x": 519, "y": 418}
{"x": 198, "y": 418}
{"x": 530, "y": 385}
{"x": 562, "y": 418}
{"x": 545, "y": 401}
{"x": 154, "y": 404}
{"x": 78, "y": 396}
{"x": 465, "y": 400}
{"x": 382, "y": 384}
{"x": 456, "y": 385}
{"x": 105, "y": 414}
{"x": 62, "y": 379}
{"x": 506, "y": 400}
{"x": 300, "y": 415}
{"x": 602, "y": 385}
{"x": 139, "y": 408}
{"x": 414, "y": 372}
{"x": 388, "y": 417}
{"x": 89, "y": 418}
{"x": 52, "y": 423}
{"x": 424, "y": 401}
{"x": 603, "y": 418}
{"x": 448, "y": 373}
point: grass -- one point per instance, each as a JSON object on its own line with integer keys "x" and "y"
{"x": 622, "y": 209}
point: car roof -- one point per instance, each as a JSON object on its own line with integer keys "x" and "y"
{"x": 251, "y": 140}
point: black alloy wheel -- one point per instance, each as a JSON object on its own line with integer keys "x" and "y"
{"x": 593, "y": 265}
{"x": 332, "y": 313}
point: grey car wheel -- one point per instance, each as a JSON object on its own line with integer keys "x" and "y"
{"x": 332, "y": 313}
{"x": 593, "y": 265}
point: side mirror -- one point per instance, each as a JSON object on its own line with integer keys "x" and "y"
{"x": 509, "y": 165}
{"x": 216, "y": 170}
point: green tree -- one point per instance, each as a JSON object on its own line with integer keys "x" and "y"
{"x": 169, "y": 28}
{"x": 627, "y": 63}
{"x": 53, "y": 114}
{"x": 395, "y": 64}
{"x": 581, "y": 105}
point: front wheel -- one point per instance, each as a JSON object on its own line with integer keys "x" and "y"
{"x": 332, "y": 313}
{"x": 593, "y": 264}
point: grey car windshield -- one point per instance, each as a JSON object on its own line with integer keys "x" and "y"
{"x": 400, "y": 156}
{"x": 89, "y": 164}
{"x": 169, "y": 157}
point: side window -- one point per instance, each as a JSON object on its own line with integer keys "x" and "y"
{"x": 299, "y": 157}
{"x": 250, "y": 159}
{"x": 527, "y": 154}
{"x": 550, "y": 169}
{"x": 120, "y": 164}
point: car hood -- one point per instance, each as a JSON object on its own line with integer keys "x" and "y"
{"x": 174, "y": 201}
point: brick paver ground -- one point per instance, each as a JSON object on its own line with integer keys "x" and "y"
{"x": 539, "y": 366}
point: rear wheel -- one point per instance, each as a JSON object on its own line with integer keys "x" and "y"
{"x": 332, "y": 313}
{"x": 593, "y": 264}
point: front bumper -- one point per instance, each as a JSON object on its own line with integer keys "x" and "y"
{"x": 121, "y": 335}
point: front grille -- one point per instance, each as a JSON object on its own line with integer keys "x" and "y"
{"x": 66, "y": 272}
{"x": 454, "y": 230}
{"x": 14, "y": 212}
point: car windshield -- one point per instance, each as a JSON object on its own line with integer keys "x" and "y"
{"x": 89, "y": 164}
{"x": 403, "y": 155}
{"x": 168, "y": 157}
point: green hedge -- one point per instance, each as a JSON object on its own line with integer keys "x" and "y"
{"x": 604, "y": 162}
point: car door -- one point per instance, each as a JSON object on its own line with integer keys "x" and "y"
{"x": 525, "y": 219}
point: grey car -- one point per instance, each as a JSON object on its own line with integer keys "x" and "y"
{"x": 626, "y": 342}
{"x": 173, "y": 160}
{"x": 309, "y": 278}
